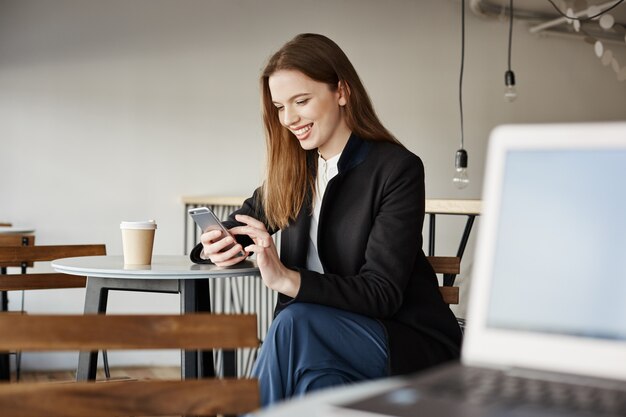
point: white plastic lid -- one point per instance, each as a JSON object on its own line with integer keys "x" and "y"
{"x": 150, "y": 224}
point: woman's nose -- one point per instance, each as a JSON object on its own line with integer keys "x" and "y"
{"x": 289, "y": 116}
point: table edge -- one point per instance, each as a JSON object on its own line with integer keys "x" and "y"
{"x": 151, "y": 275}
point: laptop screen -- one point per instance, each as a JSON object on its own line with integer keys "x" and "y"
{"x": 560, "y": 252}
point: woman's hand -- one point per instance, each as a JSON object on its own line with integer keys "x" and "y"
{"x": 276, "y": 276}
{"x": 214, "y": 242}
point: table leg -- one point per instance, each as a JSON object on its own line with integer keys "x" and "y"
{"x": 431, "y": 234}
{"x": 186, "y": 222}
{"x": 189, "y": 359}
{"x": 194, "y": 297}
{"x": 5, "y": 368}
{"x": 96, "y": 298}
{"x": 229, "y": 357}
{"x": 4, "y": 302}
{"x": 448, "y": 279}
{"x": 203, "y": 304}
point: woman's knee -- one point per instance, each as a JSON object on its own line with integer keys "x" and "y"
{"x": 299, "y": 324}
{"x": 286, "y": 323}
{"x": 302, "y": 311}
{"x": 314, "y": 380}
{"x": 300, "y": 314}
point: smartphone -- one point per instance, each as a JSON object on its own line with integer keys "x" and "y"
{"x": 207, "y": 220}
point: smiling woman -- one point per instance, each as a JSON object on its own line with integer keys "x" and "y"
{"x": 357, "y": 298}
{"x": 311, "y": 111}
{"x": 315, "y": 62}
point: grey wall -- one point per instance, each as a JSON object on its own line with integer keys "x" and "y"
{"x": 113, "y": 110}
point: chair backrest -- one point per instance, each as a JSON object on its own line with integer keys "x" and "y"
{"x": 447, "y": 265}
{"x": 16, "y": 239}
{"x": 147, "y": 397}
{"x": 24, "y": 255}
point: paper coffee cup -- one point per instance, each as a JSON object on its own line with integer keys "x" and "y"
{"x": 137, "y": 242}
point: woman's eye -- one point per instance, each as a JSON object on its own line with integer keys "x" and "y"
{"x": 301, "y": 102}
{"x": 279, "y": 108}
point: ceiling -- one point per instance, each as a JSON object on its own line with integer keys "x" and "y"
{"x": 536, "y": 12}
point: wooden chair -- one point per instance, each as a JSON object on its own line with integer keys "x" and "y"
{"x": 10, "y": 239}
{"x": 129, "y": 398}
{"x": 447, "y": 265}
{"x": 16, "y": 255}
{"x": 16, "y": 239}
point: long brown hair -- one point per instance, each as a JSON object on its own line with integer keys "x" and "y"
{"x": 288, "y": 178}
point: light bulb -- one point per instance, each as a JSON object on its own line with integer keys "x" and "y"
{"x": 510, "y": 92}
{"x": 460, "y": 178}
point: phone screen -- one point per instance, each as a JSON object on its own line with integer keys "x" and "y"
{"x": 207, "y": 221}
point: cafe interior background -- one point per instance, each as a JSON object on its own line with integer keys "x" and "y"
{"x": 114, "y": 110}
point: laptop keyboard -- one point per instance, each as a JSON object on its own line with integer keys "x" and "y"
{"x": 489, "y": 387}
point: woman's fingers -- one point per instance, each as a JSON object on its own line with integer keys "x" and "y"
{"x": 250, "y": 221}
{"x": 264, "y": 256}
{"x": 210, "y": 236}
{"x": 230, "y": 262}
{"x": 260, "y": 236}
{"x": 234, "y": 254}
{"x": 255, "y": 248}
{"x": 216, "y": 247}
{"x": 216, "y": 251}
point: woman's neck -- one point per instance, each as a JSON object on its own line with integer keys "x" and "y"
{"x": 335, "y": 145}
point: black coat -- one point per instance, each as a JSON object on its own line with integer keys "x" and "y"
{"x": 370, "y": 246}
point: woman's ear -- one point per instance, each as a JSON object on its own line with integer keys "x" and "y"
{"x": 344, "y": 92}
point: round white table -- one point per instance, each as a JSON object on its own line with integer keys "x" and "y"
{"x": 16, "y": 229}
{"x": 167, "y": 274}
{"x": 163, "y": 267}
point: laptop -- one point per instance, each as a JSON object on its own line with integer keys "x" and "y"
{"x": 546, "y": 324}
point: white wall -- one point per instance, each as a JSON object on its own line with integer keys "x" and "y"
{"x": 113, "y": 110}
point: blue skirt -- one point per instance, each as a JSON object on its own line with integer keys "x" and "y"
{"x": 311, "y": 346}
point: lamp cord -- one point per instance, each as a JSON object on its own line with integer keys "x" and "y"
{"x": 462, "y": 65}
{"x": 586, "y": 18}
{"x": 510, "y": 30}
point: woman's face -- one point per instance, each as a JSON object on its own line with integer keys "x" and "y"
{"x": 311, "y": 111}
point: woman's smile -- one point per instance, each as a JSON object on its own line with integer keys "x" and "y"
{"x": 302, "y": 132}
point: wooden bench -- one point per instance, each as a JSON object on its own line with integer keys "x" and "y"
{"x": 201, "y": 397}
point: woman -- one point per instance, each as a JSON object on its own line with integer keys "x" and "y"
{"x": 357, "y": 298}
